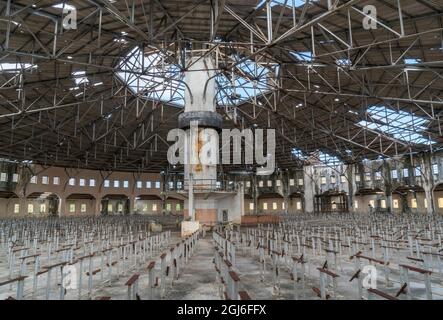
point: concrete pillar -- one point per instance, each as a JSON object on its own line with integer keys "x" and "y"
{"x": 237, "y": 209}
{"x": 309, "y": 188}
{"x": 285, "y": 191}
{"x": 104, "y": 204}
{"x": 255, "y": 194}
{"x": 241, "y": 199}
{"x": 386, "y": 173}
{"x": 389, "y": 202}
{"x": 163, "y": 204}
{"x": 132, "y": 205}
{"x": 286, "y": 201}
{"x": 429, "y": 184}
{"x": 352, "y": 186}
{"x": 404, "y": 203}
{"x": 200, "y": 120}
{"x": 62, "y": 206}
{"x": 96, "y": 209}
{"x": 128, "y": 206}
{"x": 430, "y": 200}
{"x": 23, "y": 206}
{"x": 191, "y": 206}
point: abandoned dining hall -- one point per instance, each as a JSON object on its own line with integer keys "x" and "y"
{"x": 222, "y": 150}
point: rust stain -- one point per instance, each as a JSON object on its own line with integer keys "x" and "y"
{"x": 199, "y": 146}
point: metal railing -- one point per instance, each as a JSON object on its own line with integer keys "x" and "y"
{"x": 202, "y": 185}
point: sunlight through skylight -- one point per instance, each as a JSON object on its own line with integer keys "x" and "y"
{"x": 318, "y": 157}
{"x": 298, "y": 154}
{"x": 297, "y": 3}
{"x": 7, "y": 67}
{"x": 303, "y": 56}
{"x": 327, "y": 159}
{"x": 80, "y": 77}
{"x": 153, "y": 77}
{"x": 247, "y": 81}
{"x": 401, "y": 125}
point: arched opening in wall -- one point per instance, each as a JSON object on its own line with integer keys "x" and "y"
{"x": 331, "y": 201}
{"x": 438, "y": 198}
{"x": 249, "y": 206}
{"x": 271, "y": 203}
{"x": 148, "y": 204}
{"x": 9, "y": 204}
{"x": 43, "y": 204}
{"x": 409, "y": 199}
{"x": 174, "y": 206}
{"x": 370, "y": 201}
{"x": 80, "y": 204}
{"x": 115, "y": 204}
{"x": 296, "y": 202}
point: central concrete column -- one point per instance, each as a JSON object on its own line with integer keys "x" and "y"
{"x": 201, "y": 122}
{"x": 237, "y": 204}
{"x": 191, "y": 208}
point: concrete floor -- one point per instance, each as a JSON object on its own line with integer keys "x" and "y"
{"x": 249, "y": 270}
{"x": 198, "y": 279}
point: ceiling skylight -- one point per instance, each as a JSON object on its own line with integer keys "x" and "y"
{"x": 120, "y": 40}
{"x": 401, "y": 125}
{"x": 247, "y": 80}
{"x": 154, "y": 77}
{"x": 80, "y": 77}
{"x": 326, "y": 158}
{"x": 63, "y": 6}
{"x": 297, "y": 3}
{"x": 412, "y": 61}
{"x": 298, "y": 154}
{"x": 303, "y": 56}
{"x": 317, "y": 158}
{"x": 7, "y": 67}
{"x": 343, "y": 62}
